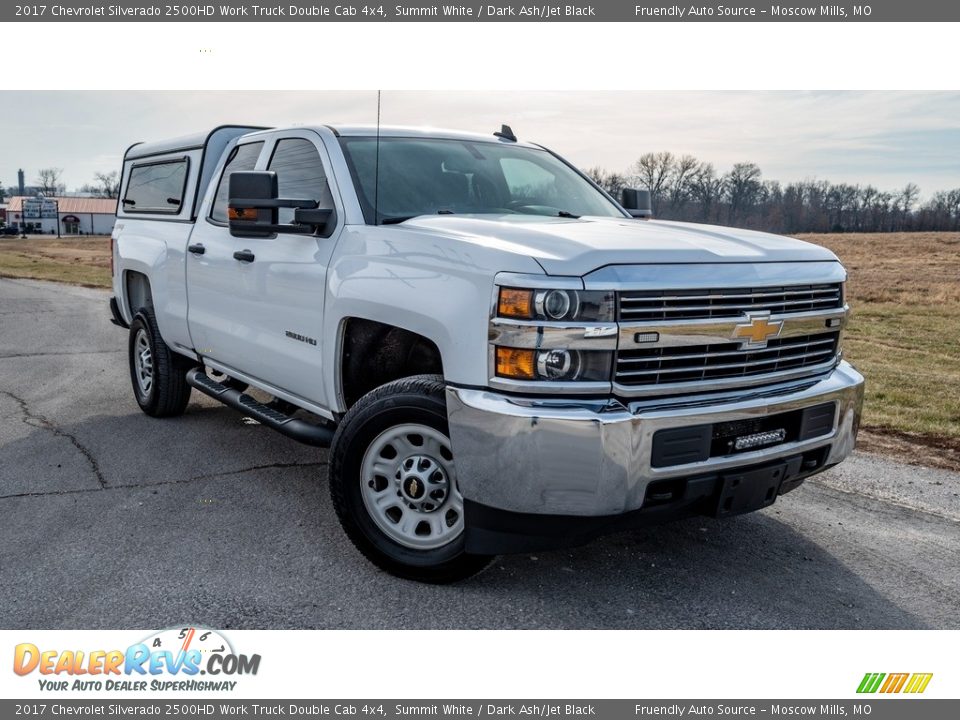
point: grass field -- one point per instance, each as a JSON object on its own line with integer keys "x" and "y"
{"x": 79, "y": 261}
{"x": 904, "y": 289}
{"x": 904, "y": 335}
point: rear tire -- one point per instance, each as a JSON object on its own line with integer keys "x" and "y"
{"x": 393, "y": 483}
{"x": 158, "y": 374}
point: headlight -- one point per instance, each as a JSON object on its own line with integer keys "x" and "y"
{"x": 556, "y": 365}
{"x": 557, "y": 305}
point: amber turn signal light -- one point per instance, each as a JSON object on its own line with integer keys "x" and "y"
{"x": 514, "y": 363}
{"x": 515, "y": 303}
{"x": 235, "y": 213}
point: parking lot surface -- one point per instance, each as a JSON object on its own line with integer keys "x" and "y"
{"x": 112, "y": 519}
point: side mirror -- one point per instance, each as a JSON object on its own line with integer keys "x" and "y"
{"x": 253, "y": 209}
{"x": 636, "y": 202}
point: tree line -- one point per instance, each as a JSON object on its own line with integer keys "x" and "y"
{"x": 683, "y": 187}
{"x": 48, "y": 182}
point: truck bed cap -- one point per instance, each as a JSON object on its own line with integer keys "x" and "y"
{"x": 193, "y": 141}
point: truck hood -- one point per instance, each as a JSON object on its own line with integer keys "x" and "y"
{"x": 569, "y": 246}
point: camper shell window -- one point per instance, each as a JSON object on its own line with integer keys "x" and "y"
{"x": 157, "y": 187}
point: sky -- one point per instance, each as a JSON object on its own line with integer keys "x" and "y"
{"x": 882, "y": 138}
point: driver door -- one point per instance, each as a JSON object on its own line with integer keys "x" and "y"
{"x": 256, "y": 304}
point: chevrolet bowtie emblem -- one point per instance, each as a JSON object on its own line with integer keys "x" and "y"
{"x": 757, "y": 330}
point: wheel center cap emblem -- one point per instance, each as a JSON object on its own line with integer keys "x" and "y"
{"x": 413, "y": 487}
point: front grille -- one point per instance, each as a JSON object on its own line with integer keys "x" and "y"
{"x": 644, "y": 306}
{"x": 693, "y": 363}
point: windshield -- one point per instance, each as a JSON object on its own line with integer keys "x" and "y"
{"x": 426, "y": 176}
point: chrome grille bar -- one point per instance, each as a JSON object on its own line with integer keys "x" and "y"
{"x": 728, "y": 353}
{"x": 692, "y": 363}
{"x": 706, "y": 304}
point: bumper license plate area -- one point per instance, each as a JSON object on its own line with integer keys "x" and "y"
{"x": 697, "y": 443}
{"x": 742, "y": 492}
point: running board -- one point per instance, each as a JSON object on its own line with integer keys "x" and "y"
{"x": 294, "y": 428}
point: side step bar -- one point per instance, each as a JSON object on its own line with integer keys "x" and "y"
{"x": 294, "y": 428}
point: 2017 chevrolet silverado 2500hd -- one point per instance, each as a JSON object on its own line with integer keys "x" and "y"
{"x": 500, "y": 356}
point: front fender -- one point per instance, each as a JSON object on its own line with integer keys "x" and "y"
{"x": 438, "y": 287}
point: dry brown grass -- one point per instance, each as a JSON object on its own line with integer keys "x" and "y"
{"x": 79, "y": 261}
{"x": 904, "y": 335}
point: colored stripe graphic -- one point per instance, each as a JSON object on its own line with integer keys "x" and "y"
{"x": 894, "y": 683}
{"x": 870, "y": 682}
{"x": 918, "y": 682}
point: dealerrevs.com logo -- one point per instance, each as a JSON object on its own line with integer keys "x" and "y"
{"x": 910, "y": 683}
{"x": 172, "y": 659}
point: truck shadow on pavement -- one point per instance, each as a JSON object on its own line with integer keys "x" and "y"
{"x": 125, "y": 521}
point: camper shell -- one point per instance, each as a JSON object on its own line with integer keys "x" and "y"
{"x": 194, "y": 157}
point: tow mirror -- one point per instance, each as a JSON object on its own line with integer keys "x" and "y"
{"x": 636, "y": 202}
{"x": 253, "y": 209}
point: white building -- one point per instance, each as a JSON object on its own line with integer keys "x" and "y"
{"x": 76, "y": 215}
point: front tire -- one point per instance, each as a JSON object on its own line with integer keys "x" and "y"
{"x": 158, "y": 374}
{"x": 393, "y": 483}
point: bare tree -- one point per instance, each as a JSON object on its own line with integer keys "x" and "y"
{"x": 905, "y": 201}
{"x": 653, "y": 170}
{"x": 706, "y": 187}
{"x": 597, "y": 174}
{"x": 108, "y": 184}
{"x": 612, "y": 182}
{"x": 105, "y": 185}
{"x": 743, "y": 188}
{"x": 840, "y": 201}
{"x": 48, "y": 180}
{"x": 683, "y": 171}
{"x": 692, "y": 190}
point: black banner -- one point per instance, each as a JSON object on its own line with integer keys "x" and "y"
{"x": 405, "y": 11}
{"x": 210, "y": 707}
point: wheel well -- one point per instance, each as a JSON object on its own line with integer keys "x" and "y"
{"x": 375, "y": 353}
{"x": 138, "y": 291}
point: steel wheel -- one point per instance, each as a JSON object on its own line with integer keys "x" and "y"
{"x": 158, "y": 374}
{"x": 143, "y": 362}
{"x": 409, "y": 487}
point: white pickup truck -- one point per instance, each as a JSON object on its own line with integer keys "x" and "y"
{"x": 501, "y": 357}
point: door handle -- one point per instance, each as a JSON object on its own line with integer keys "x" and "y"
{"x": 197, "y": 249}
{"x": 243, "y": 256}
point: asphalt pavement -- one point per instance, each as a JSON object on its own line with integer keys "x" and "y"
{"x": 112, "y": 519}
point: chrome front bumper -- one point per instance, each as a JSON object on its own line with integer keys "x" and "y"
{"x": 545, "y": 457}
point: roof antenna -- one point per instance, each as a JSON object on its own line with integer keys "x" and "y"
{"x": 376, "y": 171}
{"x": 506, "y": 133}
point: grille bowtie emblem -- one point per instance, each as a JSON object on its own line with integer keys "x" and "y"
{"x": 757, "y": 330}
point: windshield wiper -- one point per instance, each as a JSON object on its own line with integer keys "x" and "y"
{"x": 565, "y": 214}
{"x": 403, "y": 218}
